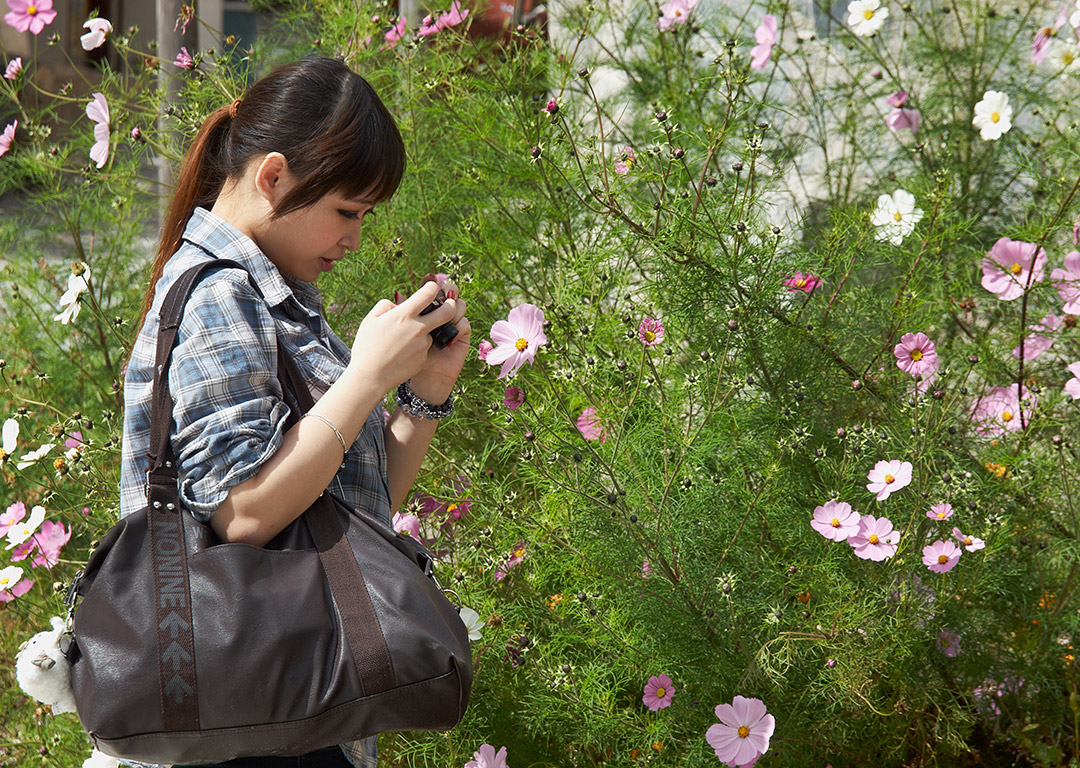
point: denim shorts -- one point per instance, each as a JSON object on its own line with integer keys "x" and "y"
{"x": 331, "y": 757}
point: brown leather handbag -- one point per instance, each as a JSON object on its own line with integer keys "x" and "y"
{"x": 188, "y": 650}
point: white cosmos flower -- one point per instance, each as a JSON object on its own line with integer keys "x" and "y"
{"x": 11, "y": 438}
{"x": 71, "y": 301}
{"x": 865, "y": 17}
{"x": 99, "y": 29}
{"x": 22, "y": 531}
{"x": 1064, "y": 57}
{"x": 472, "y": 622}
{"x": 895, "y": 216}
{"x": 1075, "y": 18}
{"x": 9, "y": 577}
{"x": 29, "y": 459}
{"x": 993, "y": 115}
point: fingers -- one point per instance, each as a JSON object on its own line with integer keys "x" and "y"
{"x": 384, "y": 306}
{"x": 422, "y": 298}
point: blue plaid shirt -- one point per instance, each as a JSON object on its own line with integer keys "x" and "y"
{"x": 229, "y": 414}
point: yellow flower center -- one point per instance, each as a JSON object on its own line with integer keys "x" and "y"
{"x": 1068, "y": 58}
{"x": 898, "y": 216}
{"x": 800, "y": 283}
{"x": 450, "y": 508}
{"x": 889, "y": 479}
{"x": 1006, "y": 416}
{"x": 521, "y": 345}
{"x": 649, "y": 336}
{"x": 31, "y": 10}
{"x": 995, "y": 117}
{"x": 678, "y": 13}
{"x": 1016, "y": 269}
{"x": 1049, "y": 31}
{"x": 967, "y": 541}
{"x": 5, "y": 580}
{"x": 868, "y": 15}
{"x": 3, "y": 455}
{"x": 943, "y": 559}
{"x": 743, "y": 731}
{"x": 519, "y": 552}
{"x": 835, "y": 523}
{"x": 873, "y": 538}
{"x": 660, "y": 693}
{"x": 940, "y": 515}
{"x": 916, "y": 355}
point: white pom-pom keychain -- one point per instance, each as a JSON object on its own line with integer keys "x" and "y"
{"x": 43, "y": 671}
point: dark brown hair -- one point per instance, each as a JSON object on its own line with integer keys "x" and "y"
{"x": 335, "y": 134}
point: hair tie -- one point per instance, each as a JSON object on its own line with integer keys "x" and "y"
{"x": 232, "y": 109}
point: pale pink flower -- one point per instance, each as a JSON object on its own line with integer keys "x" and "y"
{"x": 517, "y": 339}
{"x": 765, "y": 37}
{"x": 971, "y": 543}
{"x": 590, "y": 426}
{"x": 941, "y": 556}
{"x": 513, "y": 398}
{"x": 903, "y": 119}
{"x": 875, "y": 540}
{"x": 940, "y": 512}
{"x": 743, "y": 733}
{"x": 650, "y": 332}
{"x": 888, "y": 477}
{"x": 30, "y": 15}
{"x": 75, "y": 441}
{"x": 658, "y": 693}
{"x": 98, "y": 112}
{"x": 7, "y": 137}
{"x": 408, "y": 524}
{"x": 183, "y": 59}
{"x": 99, "y": 29}
{"x": 674, "y": 12}
{"x": 50, "y": 540}
{"x": 451, "y": 18}
{"x": 14, "y": 68}
{"x": 1040, "y": 45}
{"x": 948, "y": 642}
{"x": 1072, "y": 386}
{"x": 802, "y": 281}
{"x": 646, "y": 568}
{"x": 916, "y": 355}
{"x": 998, "y": 411}
{"x": 14, "y": 514}
{"x": 1010, "y": 266}
{"x": 486, "y": 757}
{"x": 896, "y": 99}
{"x": 1042, "y": 338}
{"x": 395, "y": 33}
{"x": 835, "y": 520}
{"x": 625, "y": 161}
{"x": 1067, "y": 283}
{"x": 18, "y": 590}
{"x": 483, "y": 348}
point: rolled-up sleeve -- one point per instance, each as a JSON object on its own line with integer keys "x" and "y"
{"x": 229, "y": 415}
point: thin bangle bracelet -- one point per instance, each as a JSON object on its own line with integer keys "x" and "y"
{"x": 326, "y": 421}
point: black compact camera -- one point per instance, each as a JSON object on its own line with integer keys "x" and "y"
{"x": 445, "y": 333}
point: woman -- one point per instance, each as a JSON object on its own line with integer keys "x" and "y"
{"x": 281, "y": 182}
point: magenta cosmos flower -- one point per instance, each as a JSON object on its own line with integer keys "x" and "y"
{"x": 915, "y": 354}
{"x": 30, "y": 15}
{"x": 1010, "y": 266}
{"x": 98, "y": 112}
{"x": 948, "y": 642}
{"x": 765, "y": 37}
{"x": 743, "y": 733}
{"x": 998, "y": 411}
{"x": 395, "y": 33}
{"x": 625, "y": 161}
{"x": 483, "y": 348}
{"x": 590, "y": 426}
{"x": 802, "y": 281}
{"x": 1042, "y": 337}
{"x": 1072, "y": 386}
{"x": 487, "y": 757}
{"x": 941, "y": 556}
{"x": 970, "y": 543}
{"x": 184, "y": 60}
{"x": 674, "y": 12}
{"x": 1067, "y": 283}
{"x": 887, "y": 477}
{"x": 7, "y": 137}
{"x": 650, "y": 332}
{"x": 446, "y": 19}
{"x": 1040, "y": 44}
{"x": 658, "y": 692}
{"x": 905, "y": 119}
{"x": 513, "y": 398}
{"x": 517, "y": 338}
{"x": 875, "y": 540}
{"x": 835, "y": 520}
{"x": 940, "y": 512}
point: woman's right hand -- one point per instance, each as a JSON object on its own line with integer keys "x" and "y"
{"x": 391, "y": 344}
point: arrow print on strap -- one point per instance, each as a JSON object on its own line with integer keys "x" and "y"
{"x": 178, "y": 689}
{"x": 174, "y": 624}
{"x": 176, "y": 654}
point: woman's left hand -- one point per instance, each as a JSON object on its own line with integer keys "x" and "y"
{"x": 436, "y": 379}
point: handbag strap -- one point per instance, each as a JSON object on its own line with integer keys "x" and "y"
{"x": 172, "y": 593}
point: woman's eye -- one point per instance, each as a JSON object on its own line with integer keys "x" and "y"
{"x": 350, "y": 214}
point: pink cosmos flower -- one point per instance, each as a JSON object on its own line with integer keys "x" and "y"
{"x": 896, "y": 99}
{"x": 948, "y": 642}
{"x": 187, "y": 13}
{"x": 835, "y": 520}
{"x": 408, "y": 524}
{"x": 998, "y": 411}
{"x": 99, "y": 29}
{"x": 940, "y": 512}
{"x": 765, "y": 37}
{"x": 876, "y": 540}
{"x": 1042, "y": 338}
{"x": 903, "y": 119}
{"x": 50, "y": 539}
{"x": 1009, "y": 266}
{"x": 14, "y": 514}
{"x": 183, "y": 59}
{"x": 517, "y": 338}
{"x": 887, "y": 477}
{"x": 743, "y": 733}
{"x": 30, "y": 15}
{"x": 516, "y": 556}
{"x": 1067, "y": 283}
{"x": 646, "y": 568}
{"x": 14, "y": 67}
{"x": 590, "y": 426}
{"x": 445, "y": 19}
{"x": 552, "y": 107}
{"x": 486, "y": 757}
{"x": 75, "y": 441}
{"x": 1072, "y": 386}
{"x": 1040, "y": 45}
{"x": 800, "y": 281}
{"x": 916, "y": 355}
{"x": 674, "y": 12}
{"x": 7, "y": 137}
{"x": 650, "y": 332}
{"x": 20, "y": 589}
{"x": 513, "y": 398}
{"x": 483, "y": 348}
{"x": 395, "y": 33}
{"x": 658, "y": 693}
{"x": 625, "y": 161}
{"x": 971, "y": 543}
{"x": 24, "y": 550}
{"x": 98, "y": 112}
{"x": 941, "y": 556}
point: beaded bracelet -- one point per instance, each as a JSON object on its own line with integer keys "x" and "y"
{"x": 414, "y": 405}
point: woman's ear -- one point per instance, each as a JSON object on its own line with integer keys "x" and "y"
{"x": 272, "y": 179}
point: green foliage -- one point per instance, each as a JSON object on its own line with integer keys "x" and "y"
{"x": 760, "y": 404}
